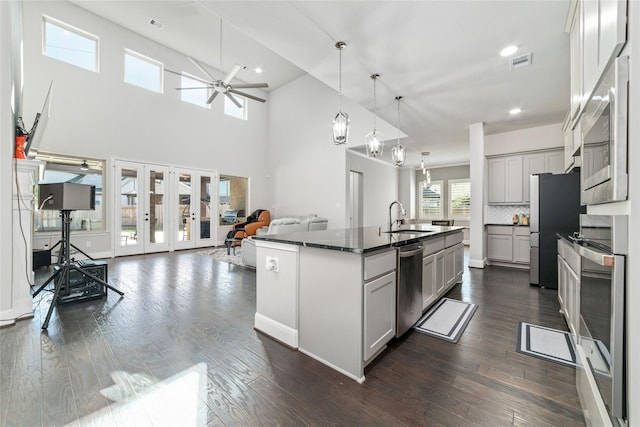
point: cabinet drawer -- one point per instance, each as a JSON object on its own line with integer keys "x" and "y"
{"x": 432, "y": 246}
{"x": 500, "y": 229}
{"x": 379, "y": 263}
{"x": 570, "y": 256}
{"x": 521, "y": 231}
{"x": 452, "y": 239}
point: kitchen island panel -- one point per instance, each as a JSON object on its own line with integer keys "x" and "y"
{"x": 331, "y": 317}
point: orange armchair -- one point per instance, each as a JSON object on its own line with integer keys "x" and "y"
{"x": 258, "y": 219}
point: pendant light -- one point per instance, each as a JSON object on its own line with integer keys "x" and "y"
{"x": 373, "y": 140}
{"x": 398, "y": 153}
{"x": 425, "y": 172}
{"x": 341, "y": 120}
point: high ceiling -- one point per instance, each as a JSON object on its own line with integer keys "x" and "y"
{"x": 441, "y": 56}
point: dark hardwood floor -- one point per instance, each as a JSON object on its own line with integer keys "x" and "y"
{"x": 180, "y": 350}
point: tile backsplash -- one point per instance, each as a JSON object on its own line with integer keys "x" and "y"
{"x": 503, "y": 214}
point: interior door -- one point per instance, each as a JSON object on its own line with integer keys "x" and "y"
{"x": 184, "y": 210}
{"x": 140, "y": 193}
{"x": 205, "y": 211}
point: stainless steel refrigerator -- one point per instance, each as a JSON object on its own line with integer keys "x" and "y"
{"x": 555, "y": 208}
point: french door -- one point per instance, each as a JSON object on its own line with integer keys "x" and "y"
{"x": 194, "y": 192}
{"x": 141, "y": 193}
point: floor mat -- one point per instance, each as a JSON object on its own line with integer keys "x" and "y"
{"x": 546, "y": 343}
{"x": 447, "y": 319}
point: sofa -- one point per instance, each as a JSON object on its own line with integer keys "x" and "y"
{"x": 290, "y": 224}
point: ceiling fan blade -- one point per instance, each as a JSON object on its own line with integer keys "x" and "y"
{"x": 250, "y": 86}
{"x": 233, "y": 99}
{"x": 246, "y": 95}
{"x": 207, "y": 82}
{"x": 212, "y": 97}
{"x": 235, "y": 70}
{"x": 201, "y": 68}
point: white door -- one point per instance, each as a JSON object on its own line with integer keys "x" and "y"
{"x": 140, "y": 199}
{"x": 195, "y": 190}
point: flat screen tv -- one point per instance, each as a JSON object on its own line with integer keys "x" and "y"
{"x": 35, "y": 134}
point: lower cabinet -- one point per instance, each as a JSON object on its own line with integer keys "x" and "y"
{"x": 508, "y": 244}
{"x": 442, "y": 268}
{"x": 569, "y": 285}
{"x": 379, "y": 313}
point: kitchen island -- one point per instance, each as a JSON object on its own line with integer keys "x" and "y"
{"x": 331, "y": 294}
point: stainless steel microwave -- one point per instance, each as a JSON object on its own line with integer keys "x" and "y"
{"x": 604, "y": 138}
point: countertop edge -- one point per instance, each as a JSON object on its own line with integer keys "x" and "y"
{"x": 390, "y": 245}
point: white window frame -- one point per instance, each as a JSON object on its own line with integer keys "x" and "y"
{"x": 230, "y": 104}
{"x": 82, "y": 221}
{"x": 151, "y": 61}
{"x": 196, "y": 81}
{"x": 77, "y": 31}
{"x": 440, "y": 214}
{"x": 450, "y": 198}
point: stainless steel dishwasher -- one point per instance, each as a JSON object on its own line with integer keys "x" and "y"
{"x": 409, "y": 291}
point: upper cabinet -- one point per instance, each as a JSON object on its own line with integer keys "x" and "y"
{"x": 509, "y": 175}
{"x": 597, "y": 33}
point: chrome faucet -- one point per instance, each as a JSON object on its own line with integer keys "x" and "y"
{"x": 402, "y": 211}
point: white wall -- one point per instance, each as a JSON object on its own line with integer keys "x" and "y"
{"x": 98, "y": 115}
{"x": 307, "y": 172}
{"x": 536, "y": 138}
{"x": 407, "y": 190}
{"x": 380, "y": 187}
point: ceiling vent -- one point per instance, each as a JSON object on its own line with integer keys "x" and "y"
{"x": 520, "y": 61}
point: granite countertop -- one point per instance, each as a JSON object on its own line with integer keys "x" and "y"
{"x": 362, "y": 239}
{"x": 510, "y": 225}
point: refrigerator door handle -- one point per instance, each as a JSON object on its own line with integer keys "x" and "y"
{"x": 534, "y": 203}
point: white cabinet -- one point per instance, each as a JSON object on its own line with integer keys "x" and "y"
{"x": 575, "y": 63}
{"x": 499, "y": 247}
{"x": 442, "y": 266}
{"x": 505, "y": 179}
{"x": 509, "y": 175}
{"x": 507, "y": 244}
{"x": 569, "y": 285}
{"x": 379, "y": 313}
{"x": 604, "y": 25}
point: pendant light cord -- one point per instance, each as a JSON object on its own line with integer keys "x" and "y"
{"x": 340, "y": 80}
{"x": 398, "y": 138}
{"x": 374, "y": 77}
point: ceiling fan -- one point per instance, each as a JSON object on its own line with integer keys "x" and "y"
{"x": 223, "y": 86}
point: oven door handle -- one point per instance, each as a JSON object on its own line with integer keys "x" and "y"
{"x": 600, "y": 258}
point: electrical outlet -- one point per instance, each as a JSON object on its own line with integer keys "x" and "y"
{"x": 272, "y": 264}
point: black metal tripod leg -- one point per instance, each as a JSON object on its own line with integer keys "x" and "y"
{"x": 97, "y": 279}
{"x": 81, "y": 251}
{"x": 58, "y": 286}
{"x": 53, "y": 276}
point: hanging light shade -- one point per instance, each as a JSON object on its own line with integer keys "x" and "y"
{"x": 398, "y": 153}
{"x": 426, "y": 172}
{"x": 341, "y": 120}
{"x": 373, "y": 140}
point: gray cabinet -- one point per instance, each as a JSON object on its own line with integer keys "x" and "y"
{"x": 569, "y": 285}
{"x": 428, "y": 280}
{"x": 507, "y": 244}
{"x": 575, "y": 64}
{"x": 379, "y": 313}
{"x": 509, "y": 175}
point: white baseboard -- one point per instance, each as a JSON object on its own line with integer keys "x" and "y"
{"x": 277, "y": 330}
{"x": 359, "y": 379}
{"x": 476, "y": 263}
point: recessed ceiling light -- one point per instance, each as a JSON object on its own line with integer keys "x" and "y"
{"x": 515, "y": 111}
{"x": 258, "y": 70}
{"x": 509, "y": 50}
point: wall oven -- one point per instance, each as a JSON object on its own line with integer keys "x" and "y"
{"x": 604, "y": 137}
{"x": 602, "y": 247}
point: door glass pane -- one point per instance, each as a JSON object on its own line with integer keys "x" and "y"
{"x": 129, "y": 207}
{"x": 232, "y": 199}
{"x": 205, "y": 207}
{"x": 156, "y": 206}
{"x": 184, "y": 207}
